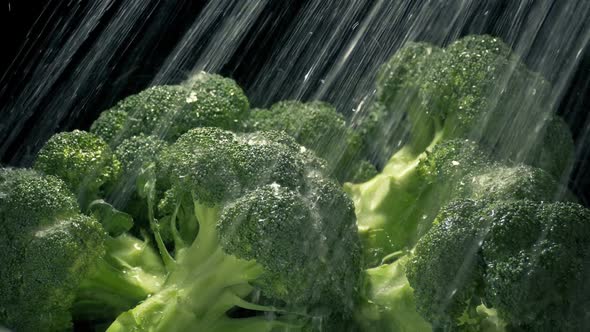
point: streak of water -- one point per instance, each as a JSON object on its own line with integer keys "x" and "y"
{"x": 331, "y": 51}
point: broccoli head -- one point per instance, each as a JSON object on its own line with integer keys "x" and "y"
{"x": 168, "y": 111}
{"x": 527, "y": 260}
{"x": 474, "y": 90}
{"x": 47, "y": 247}
{"x": 60, "y": 265}
{"x": 319, "y": 127}
{"x": 256, "y": 225}
{"x": 82, "y": 160}
{"x": 148, "y": 112}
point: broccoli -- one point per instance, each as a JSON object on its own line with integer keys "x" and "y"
{"x": 467, "y": 168}
{"x": 212, "y": 101}
{"x": 319, "y": 127}
{"x": 460, "y": 123}
{"x": 527, "y": 260}
{"x": 147, "y": 112}
{"x": 47, "y": 248}
{"x": 168, "y": 111}
{"x": 261, "y": 229}
{"x": 59, "y": 264}
{"x": 82, "y": 160}
{"x": 184, "y": 210}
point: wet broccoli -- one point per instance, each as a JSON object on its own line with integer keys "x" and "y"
{"x": 249, "y": 214}
{"x": 168, "y": 111}
{"x": 59, "y": 264}
{"x": 528, "y": 260}
{"x": 398, "y": 205}
{"x": 82, "y": 160}
{"x": 319, "y": 127}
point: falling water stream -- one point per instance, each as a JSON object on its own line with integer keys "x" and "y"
{"x": 83, "y": 56}
{"x": 328, "y": 50}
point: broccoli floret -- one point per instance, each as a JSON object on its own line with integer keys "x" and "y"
{"x": 213, "y": 101}
{"x": 364, "y": 172}
{"x": 501, "y": 182}
{"x": 59, "y": 264}
{"x": 82, "y": 160}
{"x": 149, "y": 112}
{"x": 475, "y": 88}
{"x": 274, "y": 237}
{"x": 527, "y": 260}
{"x": 110, "y": 125}
{"x": 553, "y": 152}
{"x": 168, "y": 111}
{"x": 536, "y": 257}
{"x": 445, "y": 270}
{"x": 47, "y": 248}
{"x": 317, "y": 126}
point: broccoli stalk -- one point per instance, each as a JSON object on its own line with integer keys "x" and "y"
{"x": 285, "y": 233}
{"x": 204, "y": 283}
{"x": 130, "y": 272}
{"x": 501, "y": 254}
{"x": 388, "y": 303}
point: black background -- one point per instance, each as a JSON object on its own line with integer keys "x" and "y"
{"x": 26, "y": 24}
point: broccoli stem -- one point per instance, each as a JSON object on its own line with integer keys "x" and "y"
{"x": 385, "y": 203}
{"x": 203, "y": 285}
{"x": 195, "y": 297}
{"x": 126, "y": 275}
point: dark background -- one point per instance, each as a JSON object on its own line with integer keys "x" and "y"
{"x": 29, "y": 27}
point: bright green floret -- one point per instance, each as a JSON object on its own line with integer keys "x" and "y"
{"x": 255, "y": 226}
{"x": 317, "y": 126}
{"x": 212, "y": 101}
{"x": 149, "y": 112}
{"x": 527, "y": 260}
{"x": 60, "y": 265}
{"x": 47, "y": 248}
{"x": 110, "y": 125}
{"x": 82, "y": 160}
{"x": 168, "y": 111}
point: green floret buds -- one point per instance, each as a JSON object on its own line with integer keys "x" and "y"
{"x": 168, "y": 111}
{"x": 47, "y": 249}
{"x": 213, "y": 101}
{"x": 317, "y": 126}
{"x": 501, "y": 255}
{"x": 254, "y": 225}
{"x": 82, "y": 160}
{"x": 110, "y": 125}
